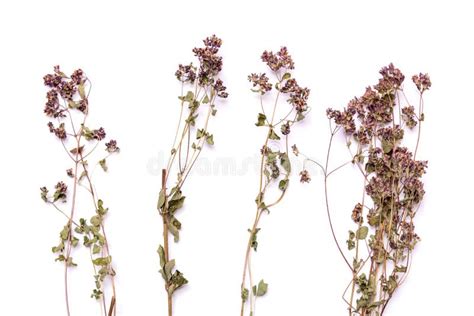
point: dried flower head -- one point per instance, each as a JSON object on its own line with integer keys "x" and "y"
{"x": 278, "y": 60}
{"x": 295, "y": 149}
{"x": 186, "y": 73}
{"x": 112, "y": 147}
{"x": 357, "y": 213}
{"x": 299, "y": 99}
{"x": 422, "y": 82}
{"x": 409, "y": 116}
{"x": 59, "y": 131}
{"x": 98, "y": 134}
{"x": 261, "y": 82}
{"x": 61, "y": 192}
{"x": 210, "y": 64}
{"x": 219, "y": 88}
{"x": 305, "y": 176}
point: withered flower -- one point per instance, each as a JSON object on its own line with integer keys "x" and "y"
{"x": 305, "y": 176}
{"x": 186, "y": 73}
{"x": 261, "y": 82}
{"x": 98, "y": 134}
{"x": 279, "y": 60}
{"x": 422, "y": 82}
{"x": 111, "y": 146}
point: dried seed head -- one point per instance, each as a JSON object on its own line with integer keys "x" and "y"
{"x": 261, "y": 82}
{"x": 422, "y": 82}
{"x": 279, "y": 60}
{"x": 305, "y": 176}
{"x": 112, "y": 147}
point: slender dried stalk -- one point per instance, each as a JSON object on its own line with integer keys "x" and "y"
{"x": 67, "y": 102}
{"x": 206, "y": 88}
{"x": 275, "y": 166}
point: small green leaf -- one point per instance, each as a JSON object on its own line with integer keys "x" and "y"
{"x": 81, "y": 90}
{"x": 261, "y": 289}
{"x": 102, "y": 261}
{"x": 175, "y": 204}
{"x": 286, "y": 76}
{"x": 205, "y": 100}
{"x": 161, "y": 253}
{"x": 283, "y": 184}
{"x": 96, "y": 249}
{"x": 200, "y": 133}
{"x": 103, "y": 164}
{"x": 362, "y": 232}
{"x": 272, "y": 135}
{"x": 192, "y": 119}
{"x": 350, "y": 242}
{"x": 177, "y": 281}
{"x": 64, "y": 234}
{"x": 168, "y": 268}
{"x": 96, "y": 220}
{"x": 189, "y": 96}
{"x": 253, "y": 238}
{"x": 100, "y": 208}
{"x": 161, "y": 199}
{"x": 58, "y": 248}
{"x": 261, "y": 119}
{"x": 210, "y": 139}
{"x": 285, "y": 162}
{"x": 386, "y": 146}
{"x": 174, "y": 231}
{"x": 71, "y": 263}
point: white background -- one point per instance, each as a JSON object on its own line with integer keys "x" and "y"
{"x": 130, "y": 51}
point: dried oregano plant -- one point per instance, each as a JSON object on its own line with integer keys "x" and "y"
{"x": 204, "y": 89}
{"x": 374, "y": 126}
{"x": 275, "y": 167}
{"x": 67, "y": 106}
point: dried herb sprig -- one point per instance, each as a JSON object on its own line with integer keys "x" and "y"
{"x": 374, "y": 126}
{"x": 205, "y": 88}
{"x": 275, "y": 167}
{"x": 67, "y": 105}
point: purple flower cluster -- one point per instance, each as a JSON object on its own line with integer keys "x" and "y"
{"x": 210, "y": 65}
{"x": 298, "y": 96}
{"x": 111, "y": 146}
{"x": 186, "y": 73}
{"x": 67, "y": 88}
{"x": 422, "y": 82}
{"x": 98, "y": 134}
{"x": 278, "y": 60}
{"x": 375, "y": 107}
{"x": 260, "y": 81}
{"x": 393, "y": 175}
{"x": 59, "y": 131}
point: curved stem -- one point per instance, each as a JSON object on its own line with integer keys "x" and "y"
{"x": 333, "y": 132}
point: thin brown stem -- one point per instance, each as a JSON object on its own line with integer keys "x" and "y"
{"x": 165, "y": 239}
{"x": 328, "y": 212}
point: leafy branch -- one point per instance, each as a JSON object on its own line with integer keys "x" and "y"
{"x": 391, "y": 188}
{"x": 186, "y": 149}
{"x": 67, "y": 103}
{"x": 275, "y": 165}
